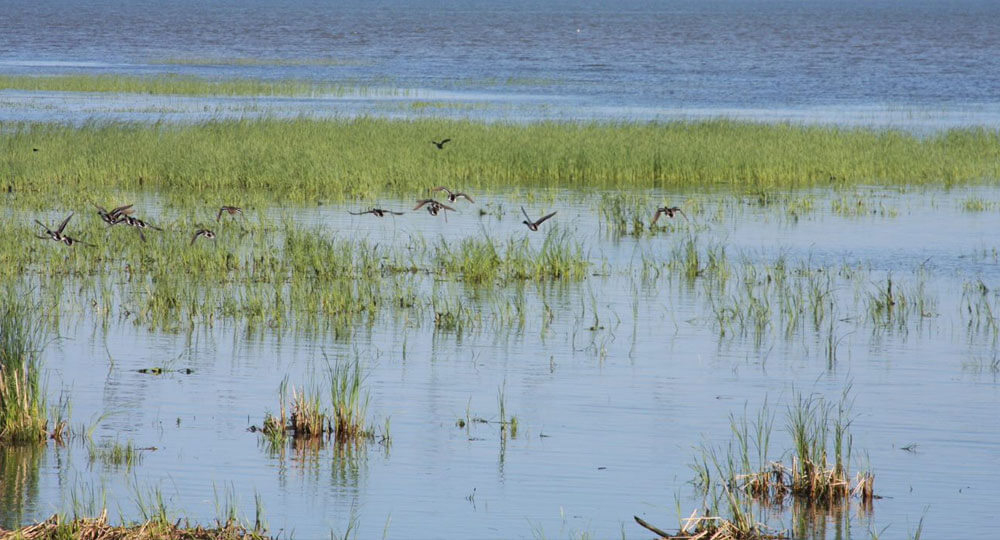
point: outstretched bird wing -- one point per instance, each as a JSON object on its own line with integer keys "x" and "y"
{"x": 526, "y": 216}
{"x": 543, "y": 218}
{"x": 656, "y": 216}
{"x": 70, "y": 241}
{"x": 420, "y": 204}
{"x": 127, "y": 209}
{"x": 466, "y": 195}
{"x": 63, "y": 224}
{"x": 442, "y": 188}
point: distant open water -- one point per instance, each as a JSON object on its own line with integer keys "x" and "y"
{"x": 920, "y": 65}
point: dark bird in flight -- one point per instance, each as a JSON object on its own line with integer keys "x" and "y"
{"x": 231, "y": 210}
{"x": 205, "y": 233}
{"x": 668, "y": 211}
{"x": 115, "y": 215}
{"x": 377, "y": 212}
{"x": 71, "y": 241}
{"x": 433, "y": 207}
{"x": 454, "y": 195}
{"x": 533, "y": 225}
{"x": 440, "y": 145}
{"x": 57, "y": 234}
{"x": 138, "y": 224}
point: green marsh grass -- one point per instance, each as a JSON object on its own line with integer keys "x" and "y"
{"x": 508, "y": 424}
{"x": 151, "y": 505}
{"x": 228, "y": 515}
{"x": 894, "y": 305}
{"x": 484, "y": 260}
{"x": 245, "y": 61}
{"x": 276, "y": 276}
{"x": 154, "y": 524}
{"x": 978, "y": 204}
{"x": 980, "y": 309}
{"x": 299, "y": 160}
{"x": 171, "y": 84}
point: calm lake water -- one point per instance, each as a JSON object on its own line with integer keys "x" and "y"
{"x": 921, "y": 65}
{"x": 615, "y": 379}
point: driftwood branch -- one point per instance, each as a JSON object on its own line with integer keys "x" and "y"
{"x": 643, "y": 523}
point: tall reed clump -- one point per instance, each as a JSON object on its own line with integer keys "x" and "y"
{"x": 345, "y": 420}
{"x": 22, "y": 404}
{"x": 819, "y": 473}
{"x": 306, "y": 420}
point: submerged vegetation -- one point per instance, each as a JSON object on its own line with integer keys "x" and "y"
{"x": 114, "y": 454}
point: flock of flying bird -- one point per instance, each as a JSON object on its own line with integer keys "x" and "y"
{"x": 435, "y": 207}
{"x": 122, "y": 215}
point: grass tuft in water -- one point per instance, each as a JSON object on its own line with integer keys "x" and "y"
{"x": 349, "y": 401}
{"x": 821, "y": 452}
{"x": 345, "y": 420}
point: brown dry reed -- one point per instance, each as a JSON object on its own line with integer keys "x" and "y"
{"x": 57, "y": 528}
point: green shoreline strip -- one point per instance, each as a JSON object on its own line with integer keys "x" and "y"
{"x": 307, "y": 159}
{"x": 184, "y": 85}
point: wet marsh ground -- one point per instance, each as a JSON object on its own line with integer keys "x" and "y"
{"x": 549, "y": 383}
